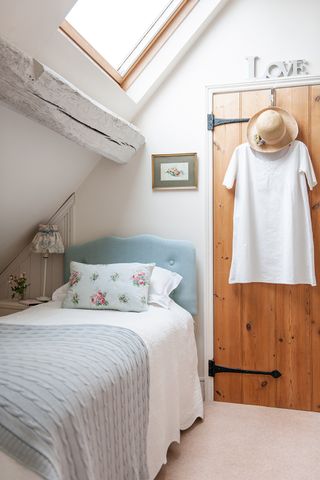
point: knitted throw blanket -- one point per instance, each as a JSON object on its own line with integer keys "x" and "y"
{"x": 74, "y": 401}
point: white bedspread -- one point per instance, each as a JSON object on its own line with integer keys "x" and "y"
{"x": 175, "y": 395}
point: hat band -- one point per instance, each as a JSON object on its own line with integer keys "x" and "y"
{"x": 274, "y": 141}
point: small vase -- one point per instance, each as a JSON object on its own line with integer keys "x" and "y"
{"x": 19, "y": 296}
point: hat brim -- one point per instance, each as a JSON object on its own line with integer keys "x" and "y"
{"x": 291, "y": 131}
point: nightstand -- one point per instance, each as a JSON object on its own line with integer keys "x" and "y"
{"x": 8, "y": 306}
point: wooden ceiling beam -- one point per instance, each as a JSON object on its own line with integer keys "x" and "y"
{"x": 42, "y": 95}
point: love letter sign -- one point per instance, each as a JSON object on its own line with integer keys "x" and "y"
{"x": 277, "y": 69}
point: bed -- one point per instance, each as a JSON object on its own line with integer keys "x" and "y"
{"x": 175, "y": 399}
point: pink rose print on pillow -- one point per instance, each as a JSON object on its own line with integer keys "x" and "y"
{"x": 99, "y": 299}
{"x": 139, "y": 279}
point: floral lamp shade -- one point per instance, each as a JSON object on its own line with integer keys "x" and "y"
{"x": 47, "y": 240}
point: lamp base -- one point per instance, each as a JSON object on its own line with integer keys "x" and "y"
{"x": 43, "y": 299}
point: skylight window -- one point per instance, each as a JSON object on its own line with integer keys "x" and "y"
{"x": 118, "y": 33}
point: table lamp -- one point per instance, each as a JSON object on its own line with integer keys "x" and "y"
{"x": 47, "y": 240}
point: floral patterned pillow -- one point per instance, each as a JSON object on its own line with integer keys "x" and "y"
{"x": 118, "y": 286}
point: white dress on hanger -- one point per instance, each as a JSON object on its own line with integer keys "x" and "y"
{"x": 272, "y": 230}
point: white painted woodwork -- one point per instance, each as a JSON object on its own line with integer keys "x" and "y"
{"x": 31, "y": 263}
{"x": 41, "y": 94}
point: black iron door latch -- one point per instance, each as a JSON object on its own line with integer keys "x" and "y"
{"x": 213, "y": 121}
{"x": 213, "y": 369}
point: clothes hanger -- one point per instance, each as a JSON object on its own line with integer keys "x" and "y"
{"x": 272, "y": 97}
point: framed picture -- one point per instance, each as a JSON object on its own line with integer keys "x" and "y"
{"x": 174, "y": 171}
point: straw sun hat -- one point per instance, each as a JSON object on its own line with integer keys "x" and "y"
{"x": 271, "y": 129}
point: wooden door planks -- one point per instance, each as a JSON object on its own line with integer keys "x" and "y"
{"x": 227, "y": 332}
{"x": 257, "y": 305}
{"x": 314, "y": 148}
{"x": 293, "y": 333}
{"x": 262, "y": 326}
{"x": 293, "y": 346}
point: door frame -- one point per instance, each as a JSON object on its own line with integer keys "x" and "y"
{"x": 210, "y": 90}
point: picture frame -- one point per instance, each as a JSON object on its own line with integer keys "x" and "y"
{"x": 174, "y": 171}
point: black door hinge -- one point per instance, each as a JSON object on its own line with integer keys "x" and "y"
{"x": 213, "y": 369}
{"x": 213, "y": 121}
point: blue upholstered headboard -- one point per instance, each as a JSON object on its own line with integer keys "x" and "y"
{"x": 175, "y": 255}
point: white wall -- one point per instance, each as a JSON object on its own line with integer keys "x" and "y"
{"x": 39, "y": 169}
{"x": 119, "y": 199}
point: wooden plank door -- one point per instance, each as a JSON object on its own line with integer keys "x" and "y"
{"x": 264, "y": 326}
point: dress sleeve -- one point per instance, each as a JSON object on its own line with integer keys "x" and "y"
{"x": 232, "y": 170}
{"x": 306, "y": 167}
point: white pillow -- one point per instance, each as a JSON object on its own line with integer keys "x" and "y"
{"x": 60, "y": 294}
{"x": 117, "y": 286}
{"x": 163, "y": 282}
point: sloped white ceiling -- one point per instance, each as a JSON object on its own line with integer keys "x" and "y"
{"x": 32, "y": 26}
{"x": 39, "y": 169}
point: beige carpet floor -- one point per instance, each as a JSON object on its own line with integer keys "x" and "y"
{"x": 241, "y": 442}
